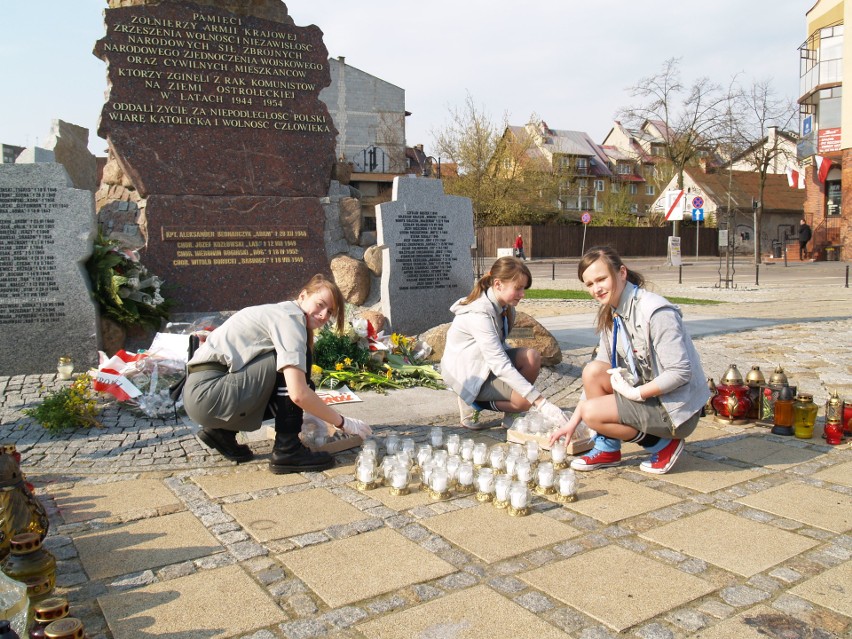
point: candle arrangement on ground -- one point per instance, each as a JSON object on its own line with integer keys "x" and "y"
{"x": 534, "y": 428}
{"x": 505, "y": 475}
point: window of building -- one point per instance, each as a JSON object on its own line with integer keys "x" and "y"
{"x": 832, "y": 197}
{"x": 634, "y": 208}
{"x": 623, "y": 169}
{"x": 582, "y": 165}
{"x": 632, "y": 189}
{"x": 615, "y": 187}
{"x": 564, "y": 162}
{"x": 582, "y": 183}
{"x": 649, "y": 189}
{"x": 599, "y": 185}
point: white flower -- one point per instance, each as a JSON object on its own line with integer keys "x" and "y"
{"x": 360, "y": 327}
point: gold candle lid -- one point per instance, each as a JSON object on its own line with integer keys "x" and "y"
{"x": 755, "y": 377}
{"x": 68, "y": 628}
{"x": 732, "y": 376}
{"x": 804, "y": 397}
{"x": 778, "y": 377}
{"x": 51, "y": 609}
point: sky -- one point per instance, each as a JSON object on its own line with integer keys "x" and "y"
{"x": 568, "y": 61}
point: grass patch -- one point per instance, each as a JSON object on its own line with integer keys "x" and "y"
{"x": 553, "y": 294}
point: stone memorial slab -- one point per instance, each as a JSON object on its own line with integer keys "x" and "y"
{"x": 426, "y": 238}
{"x": 70, "y": 146}
{"x": 206, "y": 101}
{"x": 225, "y": 253}
{"x": 47, "y": 230}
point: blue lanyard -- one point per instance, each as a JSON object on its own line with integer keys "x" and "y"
{"x": 615, "y": 323}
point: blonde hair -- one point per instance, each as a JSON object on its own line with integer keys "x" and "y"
{"x": 613, "y": 262}
{"x": 319, "y": 282}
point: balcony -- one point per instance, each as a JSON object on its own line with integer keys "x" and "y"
{"x": 822, "y": 74}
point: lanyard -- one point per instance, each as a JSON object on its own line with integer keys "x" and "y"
{"x": 614, "y": 353}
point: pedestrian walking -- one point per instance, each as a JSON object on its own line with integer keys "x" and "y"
{"x": 478, "y": 365}
{"x": 805, "y": 235}
{"x": 646, "y": 384}
{"x": 257, "y": 365}
{"x": 519, "y": 248}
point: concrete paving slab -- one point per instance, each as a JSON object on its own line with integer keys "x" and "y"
{"x": 610, "y": 499}
{"x": 293, "y": 514}
{"x": 388, "y": 561}
{"x": 144, "y": 544}
{"x": 757, "y": 450}
{"x": 808, "y": 504}
{"x": 838, "y": 474}
{"x": 616, "y": 586}
{"x": 421, "y": 406}
{"x": 706, "y": 476}
{"x": 493, "y": 535}
{"x": 707, "y": 429}
{"x": 247, "y": 480}
{"x": 759, "y": 622}
{"x": 224, "y": 602}
{"x": 832, "y": 589}
{"x": 736, "y": 544}
{"x": 402, "y": 502}
{"x": 473, "y": 613}
{"x": 94, "y": 501}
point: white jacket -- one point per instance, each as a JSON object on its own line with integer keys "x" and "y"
{"x": 474, "y": 349}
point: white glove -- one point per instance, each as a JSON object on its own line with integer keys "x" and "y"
{"x": 354, "y": 426}
{"x": 552, "y": 413}
{"x": 620, "y": 386}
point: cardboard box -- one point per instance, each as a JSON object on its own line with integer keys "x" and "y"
{"x": 575, "y": 447}
{"x": 337, "y": 441}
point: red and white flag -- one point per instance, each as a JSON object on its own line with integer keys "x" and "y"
{"x": 795, "y": 178}
{"x": 823, "y": 164}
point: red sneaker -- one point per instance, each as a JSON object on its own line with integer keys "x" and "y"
{"x": 663, "y": 461}
{"x": 597, "y": 459}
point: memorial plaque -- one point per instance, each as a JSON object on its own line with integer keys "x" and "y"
{"x": 225, "y": 253}
{"x": 47, "y": 230}
{"x": 206, "y": 102}
{"x": 426, "y": 238}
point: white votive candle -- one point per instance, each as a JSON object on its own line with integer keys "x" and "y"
{"x": 511, "y": 464}
{"x": 399, "y": 477}
{"x": 518, "y": 495}
{"x": 480, "y": 454}
{"x": 466, "y": 474}
{"x": 467, "y": 450}
{"x": 567, "y": 483}
{"x": 485, "y": 481}
{"x": 497, "y": 458}
{"x": 439, "y": 480}
{"x": 370, "y": 445}
{"x": 424, "y": 454}
{"x": 440, "y": 457}
{"x": 436, "y": 436}
{"x": 408, "y": 446}
{"x": 392, "y": 444}
{"x": 557, "y": 452}
{"x": 388, "y": 464}
{"x": 532, "y": 451}
{"x": 366, "y": 473}
{"x": 453, "y": 464}
{"x": 453, "y": 444}
{"x": 502, "y": 483}
{"x": 523, "y": 470}
{"x": 545, "y": 475}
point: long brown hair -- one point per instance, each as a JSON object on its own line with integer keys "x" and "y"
{"x": 505, "y": 269}
{"x": 318, "y": 282}
{"x": 613, "y": 263}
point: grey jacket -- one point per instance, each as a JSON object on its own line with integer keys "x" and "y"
{"x": 663, "y": 349}
{"x": 474, "y": 349}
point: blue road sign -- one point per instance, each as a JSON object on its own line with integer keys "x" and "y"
{"x": 697, "y": 215}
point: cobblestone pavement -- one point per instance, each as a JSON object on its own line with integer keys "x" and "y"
{"x": 749, "y": 535}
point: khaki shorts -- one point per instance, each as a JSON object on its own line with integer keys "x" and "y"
{"x": 650, "y": 417}
{"x": 496, "y": 390}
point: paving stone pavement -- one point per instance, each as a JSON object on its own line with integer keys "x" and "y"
{"x": 749, "y": 535}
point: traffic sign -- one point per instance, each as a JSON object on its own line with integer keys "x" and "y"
{"x": 674, "y": 205}
{"x": 698, "y": 202}
{"x": 697, "y": 215}
{"x": 586, "y": 218}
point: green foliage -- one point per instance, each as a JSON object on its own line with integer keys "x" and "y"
{"x": 123, "y": 288}
{"x": 331, "y": 348}
{"x": 71, "y": 407}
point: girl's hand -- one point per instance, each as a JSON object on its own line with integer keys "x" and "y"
{"x": 567, "y": 431}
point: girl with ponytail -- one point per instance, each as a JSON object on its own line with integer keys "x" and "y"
{"x": 478, "y": 365}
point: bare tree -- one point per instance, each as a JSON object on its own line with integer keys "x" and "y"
{"x": 687, "y": 117}
{"x": 495, "y": 169}
{"x": 759, "y": 110}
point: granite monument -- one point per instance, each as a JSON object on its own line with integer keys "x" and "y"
{"x": 425, "y": 238}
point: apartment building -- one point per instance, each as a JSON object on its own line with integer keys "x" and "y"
{"x": 825, "y": 120}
